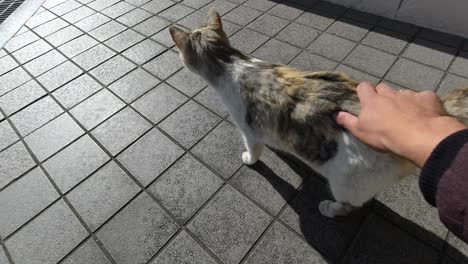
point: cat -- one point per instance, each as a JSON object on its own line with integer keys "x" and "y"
{"x": 293, "y": 111}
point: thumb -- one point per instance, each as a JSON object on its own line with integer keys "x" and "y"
{"x": 347, "y": 121}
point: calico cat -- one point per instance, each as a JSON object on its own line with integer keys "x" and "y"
{"x": 293, "y": 111}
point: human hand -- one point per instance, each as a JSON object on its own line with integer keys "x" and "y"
{"x": 407, "y": 123}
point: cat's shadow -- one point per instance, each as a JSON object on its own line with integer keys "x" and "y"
{"x": 364, "y": 236}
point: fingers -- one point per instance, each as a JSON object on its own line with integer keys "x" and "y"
{"x": 384, "y": 89}
{"x": 347, "y": 121}
{"x": 365, "y": 92}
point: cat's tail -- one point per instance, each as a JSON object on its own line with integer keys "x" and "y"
{"x": 456, "y": 104}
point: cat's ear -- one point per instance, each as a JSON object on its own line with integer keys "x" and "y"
{"x": 180, "y": 37}
{"x": 214, "y": 20}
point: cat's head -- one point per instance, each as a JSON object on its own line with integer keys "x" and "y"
{"x": 201, "y": 47}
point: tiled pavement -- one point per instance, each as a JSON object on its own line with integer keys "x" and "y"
{"x": 111, "y": 152}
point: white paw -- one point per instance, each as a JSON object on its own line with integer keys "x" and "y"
{"x": 324, "y": 208}
{"x": 248, "y": 159}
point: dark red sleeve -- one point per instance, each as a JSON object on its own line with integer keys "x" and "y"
{"x": 444, "y": 182}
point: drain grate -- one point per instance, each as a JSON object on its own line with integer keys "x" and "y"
{"x": 7, "y": 7}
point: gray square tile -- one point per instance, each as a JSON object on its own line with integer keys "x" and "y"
{"x": 159, "y": 102}
{"x": 298, "y": 35}
{"x": 24, "y": 199}
{"x": 44, "y": 63}
{"x": 287, "y": 10}
{"x": 386, "y": 40}
{"x": 176, "y": 12}
{"x": 183, "y": 249}
{"x": 59, "y": 75}
{"x": 20, "y": 41}
{"x": 53, "y": 136}
{"x": 332, "y": 46}
{"x": 121, "y": 130}
{"x": 71, "y": 165}
{"x": 107, "y": 30}
{"x": 137, "y": 232}
{"x": 39, "y": 19}
{"x": 212, "y": 101}
{"x": 144, "y": 51}
{"x": 112, "y": 69}
{"x": 247, "y": 40}
{"x": 93, "y": 57}
{"x": 276, "y": 51}
{"x": 7, "y": 134}
{"x": 194, "y": 20}
{"x": 150, "y": 156}
{"x": 101, "y": 4}
{"x": 77, "y": 46}
{"x": 373, "y": 246}
{"x": 65, "y": 7}
{"x": 258, "y": 182}
{"x": 440, "y": 37}
{"x": 164, "y": 65}
{"x": 134, "y": 17}
{"x": 349, "y": 29}
{"x": 51, "y": 3}
{"x": 78, "y": 14}
{"x": 460, "y": 64}
{"x": 221, "y": 149}
{"x": 21, "y": 96}
{"x": 242, "y": 15}
{"x": 50, "y": 27}
{"x": 102, "y": 195}
{"x": 156, "y": 6}
{"x": 88, "y": 252}
{"x": 279, "y": 245}
{"x": 151, "y": 26}
{"x": 414, "y": 75}
{"x": 370, "y": 60}
{"x": 430, "y": 53}
{"x": 15, "y": 161}
{"x": 458, "y": 250}
{"x": 49, "y": 237}
{"x": 124, "y": 40}
{"x": 196, "y": 3}
{"x": 187, "y": 82}
{"x": 316, "y": 19}
{"x": 137, "y": 2}
{"x": 36, "y": 115}
{"x": 229, "y": 225}
{"x": 222, "y": 6}
{"x": 397, "y": 26}
{"x": 118, "y": 9}
{"x": 185, "y": 187}
{"x": 125, "y": 87}
{"x": 189, "y": 123}
{"x": 3, "y": 257}
{"x": 63, "y": 35}
{"x": 31, "y": 51}
{"x": 7, "y": 63}
{"x": 262, "y": 5}
{"x": 13, "y": 79}
{"x": 307, "y": 61}
{"x": 164, "y": 37}
{"x": 2, "y": 53}
{"x": 96, "y": 108}
{"x": 76, "y": 91}
{"x": 357, "y": 74}
{"x": 92, "y": 22}
{"x": 268, "y": 24}
{"x": 451, "y": 82}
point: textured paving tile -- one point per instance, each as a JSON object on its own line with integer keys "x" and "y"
{"x": 71, "y": 165}
{"x": 65, "y": 7}
{"x": 53, "y": 136}
{"x": 176, "y": 12}
{"x": 78, "y": 45}
{"x": 102, "y": 195}
{"x": 39, "y": 19}
{"x": 279, "y": 245}
{"x": 196, "y": 3}
{"x": 375, "y": 244}
{"x": 112, "y": 69}
{"x": 3, "y": 257}
{"x": 124, "y": 40}
{"x": 92, "y": 22}
{"x": 78, "y": 14}
{"x": 21, "y": 96}
{"x": 13, "y": 79}
{"x": 414, "y": 75}
{"x": 349, "y": 29}
{"x": 44, "y": 63}
{"x": 189, "y": 123}
{"x": 20, "y": 41}
{"x": 134, "y": 17}
{"x": 147, "y": 158}
{"x": 101, "y": 4}
{"x": 118, "y": 9}
{"x": 242, "y": 15}
{"x": 316, "y": 19}
{"x": 276, "y": 51}
{"x": 209, "y": 98}
{"x": 137, "y": 232}
{"x": 287, "y": 10}
{"x": 430, "y": 53}
{"x": 185, "y": 187}
{"x": 151, "y": 26}
{"x": 460, "y": 65}
{"x": 332, "y": 46}
{"x": 88, "y": 252}
{"x": 183, "y": 249}
{"x": 247, "y": 40}
{"x": 370, "y": 60}
{"x": 31, "y": 51}
{"x": 36, "y": 115}
{"x": 164, "y": 37}
{"x": 50, "y": 27}
{"x": 107, "y": 30}
{"x": 357, "y": 74}
{"x": 137, "y": 2}
{"x": 143, "y": 51}
{"x": 164, "y": 65}
{"x": 307, "y": 61}
{"x": 229, "y": 225}
{"x": 156, "y": 6}
{"x": 159, "y": 102}
{"x": 457, "y": 249}
{"x": 15, "y": 160}
{"x": 7, "y": 63}
{"x": 125, "y": 87}
{"x": 262, "y": 5}
{"x": 96, "y": 108}
{"x": 64, "y": 35}
{"x": 93, "y": 57}
{"x": 187, "y": 82}
{"x": 268, "y": 24}
{"x": 298, "y": 35}
{"x": 48, "y": 238}
{"x": 194, "y": 20}
{"x": 59, "y": 75}
{"x": 76, "y": 91}
{"x": 23, "y": 199}
{"x": 120, "y": 130}
{"x": 451, "y": 82}
{"x": 222, "y": 6}
{"x": 386, "y": 40}
{"x": 7, "y": 134}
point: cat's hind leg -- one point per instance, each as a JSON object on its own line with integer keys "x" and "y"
{"x": 332, "y": 209}
{"x": 253, "y": 150}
